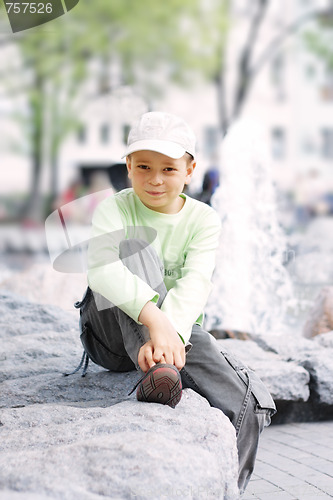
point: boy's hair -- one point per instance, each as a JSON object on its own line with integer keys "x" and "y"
{"x": 161, "y": 132}
{"x": 188, "y": 157}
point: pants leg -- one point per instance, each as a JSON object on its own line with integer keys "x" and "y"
{"x": 210, "y": 373}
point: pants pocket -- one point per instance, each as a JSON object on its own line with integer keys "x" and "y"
{"x": 263, "y": 398}
{"x": 260, "y": 392}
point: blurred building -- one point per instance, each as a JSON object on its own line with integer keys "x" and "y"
{"x": 291, "y": 95}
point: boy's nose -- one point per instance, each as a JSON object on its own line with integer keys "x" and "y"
{"x": 155, "y": 179}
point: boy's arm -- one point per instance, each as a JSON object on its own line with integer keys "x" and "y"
{"x": 164, "y": 345}
{"x": 186, "y": 300}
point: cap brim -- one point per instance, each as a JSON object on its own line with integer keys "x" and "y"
{"x": 166, "y": 148}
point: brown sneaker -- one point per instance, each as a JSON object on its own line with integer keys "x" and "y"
{"x": 161, "y": 384}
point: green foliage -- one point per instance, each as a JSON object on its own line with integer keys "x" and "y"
{"x": 319, "y": 41}
{"x": 181, "y": 35}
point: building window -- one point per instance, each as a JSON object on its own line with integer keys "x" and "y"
{"x": 327, "y": 143}
{"x": 277, "y": 73}
{"x": 126, "y": 130}
{"x": 211, "y": 140}
{"x": 82, "y": 134}
{"x": 278, "y": 136}
{"x": 308, "y": 144}
{"x": 105, "y": 133}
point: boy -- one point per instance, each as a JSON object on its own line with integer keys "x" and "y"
{"x": 151, "y": 258}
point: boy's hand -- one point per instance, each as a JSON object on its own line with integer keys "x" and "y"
{"x": 165, "y": 345}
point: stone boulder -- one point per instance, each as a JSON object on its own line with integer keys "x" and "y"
{"x": 286, "y": 381}
{"x": 325, "y": 339}
{"x": 73, "y": 437}
{"x": 315, "y": 358}
{"x": 129, "y": 449}
{"x": 41, "y": 284}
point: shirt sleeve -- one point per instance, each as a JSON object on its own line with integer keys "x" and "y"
{"x": 107, "y": 275}
{"x": 186, "y": 300}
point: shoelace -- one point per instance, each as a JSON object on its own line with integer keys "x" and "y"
{"x": 136, "y": 385}
{"x": 84, "y": 362}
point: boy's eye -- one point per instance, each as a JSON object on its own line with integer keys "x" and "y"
{"x": 143, "y": 167}
{"x": 169, "y": 169}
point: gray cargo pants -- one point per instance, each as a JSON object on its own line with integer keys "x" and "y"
{"x": 113, "y": 340}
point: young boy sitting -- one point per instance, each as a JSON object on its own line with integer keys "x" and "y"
{"x": 151, "y": 259}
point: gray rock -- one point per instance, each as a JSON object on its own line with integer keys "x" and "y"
{"x": 325, "y": 339}
{"x": 19, "y": 316}
{"x": 309, "y": 354}
{"x": 41, "y": 284}
{"x": 14, "y": 495}
{"x": 73, "y": 437}
{"x": 132, "y": 448}
{"x": 285, "y": 381}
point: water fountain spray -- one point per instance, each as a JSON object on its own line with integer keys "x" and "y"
{"x": 252, "y": 288}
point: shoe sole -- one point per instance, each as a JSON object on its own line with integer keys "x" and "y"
{"x": 162, "y": 384}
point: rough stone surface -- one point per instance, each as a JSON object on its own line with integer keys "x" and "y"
{"x": 309, "y": 354}
{"x": 41, "y": 284}
{"x": 325, "y": 339}
{"x": 73, "y": 437}
{"x": 285, "y": 381}
{"x": 130, "y": 449}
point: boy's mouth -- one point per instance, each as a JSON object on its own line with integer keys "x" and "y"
{"x": 155, "y": 193}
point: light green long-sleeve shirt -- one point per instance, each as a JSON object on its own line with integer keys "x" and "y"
{"x": 186, "y": 243}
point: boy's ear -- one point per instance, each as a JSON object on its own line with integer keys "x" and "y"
{"x": 129, "y": 167}
{"x": 189, "y": 171}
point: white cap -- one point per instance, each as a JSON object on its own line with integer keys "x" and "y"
{"x": 161, "y": 132}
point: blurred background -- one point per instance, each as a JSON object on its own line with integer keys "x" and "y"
{"x": 71, "y": 89}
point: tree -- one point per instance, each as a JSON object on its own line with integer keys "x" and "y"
{"x": 249, "y": 65}
{"x": 143, "y": 37}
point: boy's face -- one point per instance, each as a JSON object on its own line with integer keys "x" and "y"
{"x": 158, "y": 180}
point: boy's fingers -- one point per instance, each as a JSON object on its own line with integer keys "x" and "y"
{"x": 145, "y": 359}
{"x": 166, "y": 352}
{"x": 148, "y": 352}
{"x": 158, "y": 354}
{"x": 179, "y": 362}
{"x": 162, "y": 360}
{"x": 142, "y": 362}
{"x": 169, "y": 358}
{"x": 144, "y": 367}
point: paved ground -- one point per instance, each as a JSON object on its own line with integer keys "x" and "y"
{"x": 295, "y": 462}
